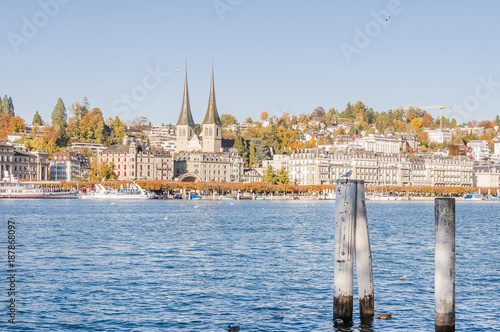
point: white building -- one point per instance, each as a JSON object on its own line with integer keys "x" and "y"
{"x": 496, "y": 148}
{"x": 67, "y": 166}
{"x": 480, "y": 149}
{"x": 486, "y": 176}
{"x": 379, "y": 143}
{"x": 439, "y": 135}
{"x": 278, "y": 161}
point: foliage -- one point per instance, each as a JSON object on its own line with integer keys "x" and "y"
{"x": 263, "y": 115}
{"x": 227, "y": 120}
{"x": 103, "y": 170}
{"x": 241, "y": 145}
{"x": 269, "y": 175}
{"x": 59, "y": 116}
{"x": 6, "y": 106}
{"x": 251, "y": 160}
{"x": 37, "y": 119}
{"x": 282, "y": 177}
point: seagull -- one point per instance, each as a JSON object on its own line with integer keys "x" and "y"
{"x": 403, "y": 277}
{"x": 384, "y": 316}
{"x": 177, "y": 69}
{"x": 339, "y": 321}
{"x": 348, "y": 174}
{"x": 387, "y": 18}
{"x": 166, "y": 218}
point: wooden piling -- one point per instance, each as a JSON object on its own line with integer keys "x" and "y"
{"x": 444, "y": 277}
{"x": 345, "y": 215}
{"x": 363, "y": 255}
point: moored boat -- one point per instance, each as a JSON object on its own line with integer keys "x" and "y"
{"x": 11, "y": 187}
{"x": 133, "y": 191}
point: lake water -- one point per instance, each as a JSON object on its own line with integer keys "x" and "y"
{"x": 165, "y": 265}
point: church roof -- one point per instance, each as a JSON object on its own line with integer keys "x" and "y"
{"x": 185, "y": 118}
{"x": 212, "y": 116}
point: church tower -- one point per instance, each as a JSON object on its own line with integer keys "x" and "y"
{"x": 211, "y": 127}
{"x": 185, "y": 124}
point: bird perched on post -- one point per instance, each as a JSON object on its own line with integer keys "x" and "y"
{"x": 348, "y": 174}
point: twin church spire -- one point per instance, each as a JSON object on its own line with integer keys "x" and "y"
{"x": 211, "y": 126}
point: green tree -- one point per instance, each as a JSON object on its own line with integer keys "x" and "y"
{"x": 7, "y": 106}
{"x": 241, "y": 145}
{"x": 251, "y": 160}
{"x": 37, "y": 119}
{"x": 269, "y": 175}
{"x": 59, "y": 116}
{"x": 261, "y": 151}
{"x": 282, "y": 177}
{"x": 497, "y": 120}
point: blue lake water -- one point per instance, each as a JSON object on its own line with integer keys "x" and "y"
{"x": 200, "y": 265}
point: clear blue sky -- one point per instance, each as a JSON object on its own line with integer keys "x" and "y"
{"x": 275, "y": 56}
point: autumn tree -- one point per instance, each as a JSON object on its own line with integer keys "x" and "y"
{"x": 318, "y": 113}
{"x": 140, "y": 123}
{"x": 263, "y": 115}
{"x": 17, "y": 124}
{"x": 227, "y": 120}
{"x": 282, "y": 177}
{"x": 269, "y": 175}
{"x": 101, "y": 171}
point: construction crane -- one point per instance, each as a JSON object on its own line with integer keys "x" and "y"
{"x": 440, "y": 108}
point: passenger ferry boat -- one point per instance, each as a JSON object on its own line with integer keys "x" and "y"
{"x": 11, "y": 187}
{"x": 132, "y": 191}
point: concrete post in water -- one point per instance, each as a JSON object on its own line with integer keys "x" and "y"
{"x": 345, "y": 215}
{"x": 253, "y": 196}
{"x": 444, "y": 277}
{"x": 363, "y": 255}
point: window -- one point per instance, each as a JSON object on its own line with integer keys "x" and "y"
{"x": 118, "y": 173}
{"x": 125, "y": 173}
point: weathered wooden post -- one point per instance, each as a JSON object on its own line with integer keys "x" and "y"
{"x": 363, "y": 255}
{"x": 444, "y": 277}
{"x": 345, "y": 214}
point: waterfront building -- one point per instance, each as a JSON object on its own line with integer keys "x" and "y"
{"x": 316, "y": 166}
{"x": 439, "y": 135}
{"x": 208, "y": 166}
{"x": 24, "y": 164}
{"x": 67, "y": 166}
{"x": 251, "y": 175}
{"x": 486, "y": 175}
{"x": 134, "y": 163}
